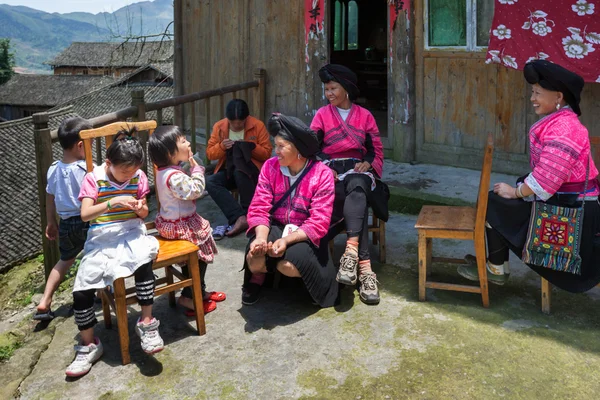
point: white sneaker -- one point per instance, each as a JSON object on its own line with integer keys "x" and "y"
{"x": 85, "y": 357}
{"x": 151, "y": 340}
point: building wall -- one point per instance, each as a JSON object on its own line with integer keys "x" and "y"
{"x": 11, "y": 112}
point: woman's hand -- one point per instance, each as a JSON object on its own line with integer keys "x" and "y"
{"x": 226, "y": 144}
{"x": 362, "y": 166}
{"x": 258, "y": 247}
{"x": 505, "y": 190}
{"x": 278, "y": 248}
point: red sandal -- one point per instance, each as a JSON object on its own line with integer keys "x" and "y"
{"x": 209, "y": 306}
{"x": 215, "y": 296}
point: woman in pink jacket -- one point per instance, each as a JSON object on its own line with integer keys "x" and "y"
{"x": 290, "y": 214}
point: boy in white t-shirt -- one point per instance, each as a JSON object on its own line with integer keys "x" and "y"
{"x": 62, "y": 191}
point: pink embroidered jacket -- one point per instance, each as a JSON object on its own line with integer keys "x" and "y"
{"x": 560, "y": 148}
{"x": 309, "y": 208}
{"x": 347, "y": 139}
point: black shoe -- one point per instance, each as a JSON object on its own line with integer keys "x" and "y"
{"x": 250, "y": 293}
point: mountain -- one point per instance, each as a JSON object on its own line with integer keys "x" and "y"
{"x": 37, "y": 36}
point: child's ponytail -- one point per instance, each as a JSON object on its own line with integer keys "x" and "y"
{"x": 126, "y": 149}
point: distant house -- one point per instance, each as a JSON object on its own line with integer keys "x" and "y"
{"x": 26, "y": 94}
{"x": 109, "y": 59}
{"x": 156, "y": 80}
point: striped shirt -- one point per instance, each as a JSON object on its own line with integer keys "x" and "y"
{"x": 97, "y": 186}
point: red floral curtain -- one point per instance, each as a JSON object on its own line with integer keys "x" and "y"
{"x": 566, "y": 32}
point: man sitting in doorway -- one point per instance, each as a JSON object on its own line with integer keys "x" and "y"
{"x": 241, "y": 144}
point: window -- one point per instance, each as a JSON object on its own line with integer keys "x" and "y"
{"x": 458, "y": 24}
{"x": 345, "y": 25}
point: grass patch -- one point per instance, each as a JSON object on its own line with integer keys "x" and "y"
{"x": 408, "y": 201}
{"x": 18, "y": 285}
{"x": 9, "y": 342}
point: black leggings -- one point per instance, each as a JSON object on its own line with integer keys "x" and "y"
{"x": 356, "y": 215}
{"x": 187, "y": 291}
{"x": 497, "y": 248}
{"x": 83, "y": 300}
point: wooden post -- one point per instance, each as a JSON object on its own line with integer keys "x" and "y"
{"x": 43, "y": 160}
{"x": 259, "y": 99}
{"x": 137, "y": 100}
{"x": 207, "y": 130}
{"x": 193, "y": 126}
{"x": 178, "y": 70}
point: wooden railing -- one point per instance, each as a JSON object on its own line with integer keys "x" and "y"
{"x": 186, "y": 114}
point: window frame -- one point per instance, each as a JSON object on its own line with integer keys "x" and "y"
{"x": 345, "y": 25}
{"x": 471, "y": 22}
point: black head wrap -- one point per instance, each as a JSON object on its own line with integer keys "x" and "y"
{"x": 342, "y": 75}
{"x": 552, "y": 76}
{"x": 295, "y": 131}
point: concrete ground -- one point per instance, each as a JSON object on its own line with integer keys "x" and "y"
{"x": 284, "y": 347}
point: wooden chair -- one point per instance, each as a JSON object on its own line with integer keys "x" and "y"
{"x": 170, "y": 252}
{"x": 464, "y": 223}
{"x": 377, "y": 228}
{"x": 547, "y": 286}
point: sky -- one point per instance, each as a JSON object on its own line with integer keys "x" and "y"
{"x": 65, "y": 6}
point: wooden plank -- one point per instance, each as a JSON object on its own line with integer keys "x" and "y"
{"x": 456, "y": 106}
{"x": 419, "y": 76}
{"x": 441, "y": 101}
{"x": 470, "y": 115}
{"x": 110, "y": 129}
{"x": 468, "y": 55}
{"x": 546, "y": 296}
{"x": 193, "y": 126}
{"x": 429, "y": 100}
{"x": 452, "y": 287}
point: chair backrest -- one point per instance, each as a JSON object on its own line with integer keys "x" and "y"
{"x": 108, "y": 132}
{"x": 484, "y": 186}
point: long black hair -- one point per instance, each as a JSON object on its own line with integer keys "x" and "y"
{"x": 163, "y": 144}
{"x": 126, "y": 149}
{"x": 237, "y": 109}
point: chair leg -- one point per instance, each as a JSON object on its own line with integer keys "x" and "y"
{"x": 422, "y": 266}
{"x": 482, "y": 269}
{"x": 375, "y": 225}
{"x": 429, "y": 256}
{"x": 169, "y": 276}
{"x": 105, "y": 308}
{"x": 546, "y": 296}
{"x": 382, "y": 251}
{"x": 121, "y": 311}
{"x": 197, "y": 293}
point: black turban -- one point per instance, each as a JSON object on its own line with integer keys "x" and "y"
{"x": 295, "y": 131}
{"x": 342, "y": 75}
{"x": 552, "y": 76}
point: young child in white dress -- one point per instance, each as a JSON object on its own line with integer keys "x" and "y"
{"x": 177, "y": 217}
{"x": 113, "y": 199}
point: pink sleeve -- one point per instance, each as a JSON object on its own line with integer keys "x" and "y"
{"x": 260, "y": 207}
{"x": 317, "y": 122}
{"x": 143, "y": 186}
{"x": 89, "y": 188}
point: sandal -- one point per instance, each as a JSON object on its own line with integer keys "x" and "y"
{"x": 215, "y": 296}
{"x": 209, "y": 306}
{"x": 47, "y": 315}
{"x": 219, "y": 232}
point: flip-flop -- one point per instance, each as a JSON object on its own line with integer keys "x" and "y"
{"x": 219, "y": 232}
{"x": 43, "y": 316}
{"x": 209, "y": 306}
{"x": 215, "y": 296}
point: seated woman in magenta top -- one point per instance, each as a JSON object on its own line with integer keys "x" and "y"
{"x": 353, "y": 150}
{"x": 290, "y": 215}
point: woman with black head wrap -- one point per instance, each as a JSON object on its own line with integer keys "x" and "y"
{"x": 290, "y": 214}
{"x": 353, "y": 148}
{"x": 561, "y": 164}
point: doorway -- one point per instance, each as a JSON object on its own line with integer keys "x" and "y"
{"x": 358, "y": 39}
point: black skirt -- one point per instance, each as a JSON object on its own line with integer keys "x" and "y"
{"x": 312, "y": 262}
{"x": 510, "y": 218}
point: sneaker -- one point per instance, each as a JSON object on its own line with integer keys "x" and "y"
{"x": 151, "y": 340}
{"x": 85, "y": 357}
{"x": 348, "y": 266}
{"x": 250, "y": 293}
{"x": 368, "y": 291}
{"x": 470, "y": 272}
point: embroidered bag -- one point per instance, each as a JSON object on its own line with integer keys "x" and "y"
{"x": 554, "y": 235}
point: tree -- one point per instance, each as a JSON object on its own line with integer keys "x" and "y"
{"x": 7, "y": 61}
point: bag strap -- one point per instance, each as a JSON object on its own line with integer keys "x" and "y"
{"x": 291, "y": 189}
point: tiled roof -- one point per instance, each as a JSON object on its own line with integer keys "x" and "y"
{"x": 48, "y": 90}
{"x": 104, "y": 54}
{"x": 20, "y": 236}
